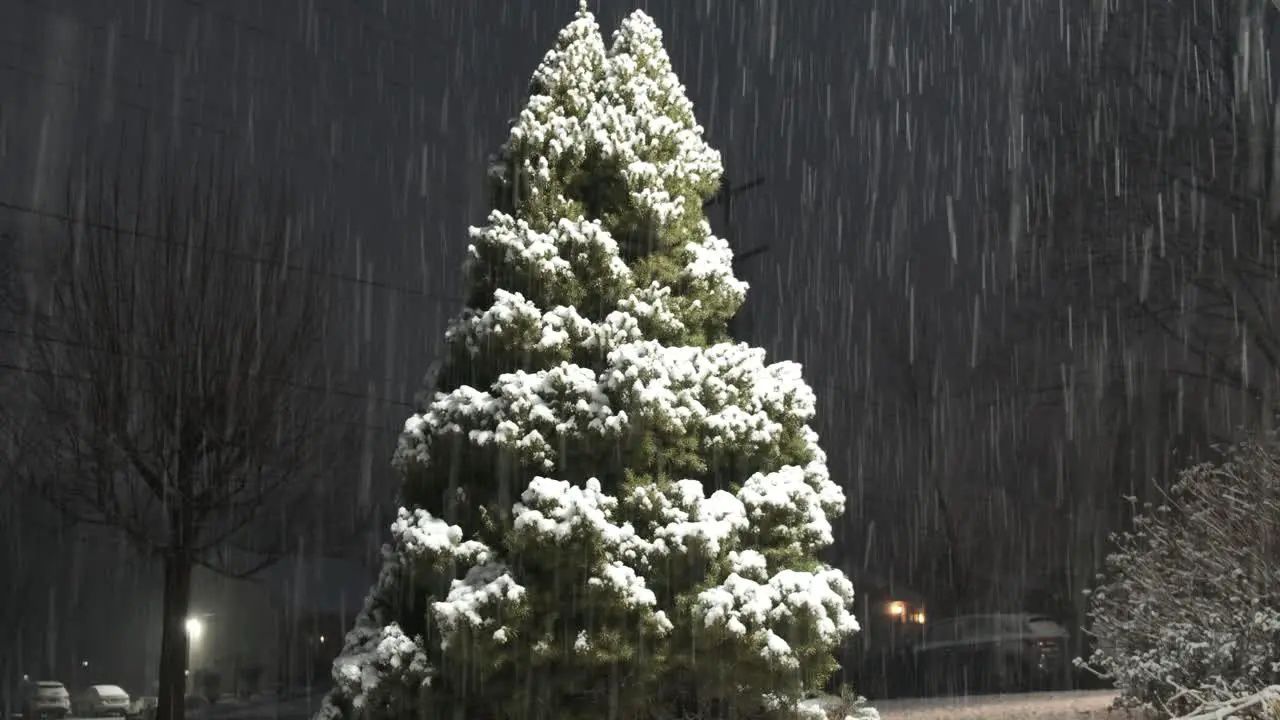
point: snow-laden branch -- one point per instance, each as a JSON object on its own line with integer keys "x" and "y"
{"x": 1265, "y": 700}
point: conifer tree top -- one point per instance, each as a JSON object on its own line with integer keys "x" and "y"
{"x": 624, "y": 107}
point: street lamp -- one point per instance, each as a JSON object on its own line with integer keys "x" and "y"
{"x": 195, "y": 628}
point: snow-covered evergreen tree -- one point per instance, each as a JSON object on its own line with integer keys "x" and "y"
{"x": 610, "y": 511}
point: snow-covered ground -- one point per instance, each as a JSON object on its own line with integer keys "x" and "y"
{"x": 1076, "y": 705}
{"x": 292, "y": 709}
{"x": 302, "y": 708}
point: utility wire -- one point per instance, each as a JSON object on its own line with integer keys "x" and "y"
{"x": 367, "y": 282}
{"x": 76, "y": 378}
{"x": 81, "y": 346}
{"x": 244, "y": 257}
{"x": 727, "y": 191}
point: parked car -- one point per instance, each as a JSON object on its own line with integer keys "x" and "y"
{"x": 46, "y": 699}
{"x": 1004, "y": 652}
{"x": 101, "y": 701}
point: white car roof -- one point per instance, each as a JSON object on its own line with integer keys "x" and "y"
{"x": 108, "y": 690}
{"x": 1017, "y": 617}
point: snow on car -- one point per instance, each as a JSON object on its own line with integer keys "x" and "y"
{"x": 101, "y": 700}
{"x": 46, "y": 699}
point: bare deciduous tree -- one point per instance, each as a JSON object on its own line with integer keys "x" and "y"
{"x": 18, "y": 562}
{"x": 1156, "y": 209}
{"x": 1150, "y": 185}
{"x": 176, "y": 383}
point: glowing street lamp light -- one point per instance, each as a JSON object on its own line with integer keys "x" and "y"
{"x": 195, "y": 628}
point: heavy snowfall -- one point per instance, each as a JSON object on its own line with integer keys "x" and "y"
{"x": 602, "y": 359}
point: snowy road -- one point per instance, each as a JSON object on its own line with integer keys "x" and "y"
{"x": 1077, "y": 705}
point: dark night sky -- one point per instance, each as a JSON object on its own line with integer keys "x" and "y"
{"x": 862, "y": 115}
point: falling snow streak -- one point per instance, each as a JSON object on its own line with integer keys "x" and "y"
{"x": 1025, "y": 251}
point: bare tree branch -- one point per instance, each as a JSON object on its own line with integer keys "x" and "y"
{"x": 1154, "y": 216}
{"x": 176, "y": 391}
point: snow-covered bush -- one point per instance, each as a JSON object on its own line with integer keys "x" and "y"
{"x": 1188, "y": 609}
{"x": 609, "y": 509}
{"x": 1262, "y": 705}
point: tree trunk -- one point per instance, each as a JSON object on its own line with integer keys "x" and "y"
{"x": 173, "y": 638}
